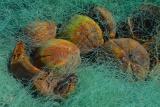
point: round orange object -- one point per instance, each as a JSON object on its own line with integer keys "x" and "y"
{"x": 46, "y": 83}
{"x": 58, "y": 54}
{"x": 131, "y": 54}
{"x": 84, "y": 32}
{"x": 40, "y": 31}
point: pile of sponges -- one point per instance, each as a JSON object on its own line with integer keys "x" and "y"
{"x": 51, "y": 66}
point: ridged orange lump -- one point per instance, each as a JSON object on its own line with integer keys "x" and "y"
{"x": 84, "y": 32}
{"x": 40, "y": 31}
{"x": 20, "y": 64}
{"x": 105, "y": 19}
{"x": 49, "y": 83}
{"x": 58, "y": 55}
{"x": 133, "y": 55}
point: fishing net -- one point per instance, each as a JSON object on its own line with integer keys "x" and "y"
{"x": 101, "y": 81}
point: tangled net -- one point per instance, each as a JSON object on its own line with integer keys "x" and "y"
{"x": 101, "y": 83}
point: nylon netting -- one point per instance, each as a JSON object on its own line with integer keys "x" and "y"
{"x": 101, "y": 81}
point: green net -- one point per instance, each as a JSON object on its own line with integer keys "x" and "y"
{"x": 100, "y": 85}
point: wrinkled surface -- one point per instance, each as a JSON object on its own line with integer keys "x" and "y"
{"x": 84, "y": 32}
{"x": 131, "y": 53}
{"x": 50, "y": 84}
{"x": 58, "y": 55}
{"x": 45, "y": 83}
{"x": 20, "y": 64}
{"x": 40, "y": 31}
{"x": 105, "y": 20}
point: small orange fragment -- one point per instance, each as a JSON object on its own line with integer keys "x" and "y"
{"x": 20, "y": 64}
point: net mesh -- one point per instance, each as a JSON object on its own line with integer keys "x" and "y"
{"x": 101, "y": 84}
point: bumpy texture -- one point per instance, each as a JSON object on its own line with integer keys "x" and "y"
{"x": 105, "y": 19}
{"x": 51, "y": 84}
{"x": 40, "y": 31}
{"x": 45, "y": 83}
{"x": 132, "y": 55}
{"x": 58, "y": 55}
{"x": 20, "y": 64}
{"x": 84, "y": 32}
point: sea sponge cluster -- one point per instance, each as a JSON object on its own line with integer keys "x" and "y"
{"x": 52, "y": 65}
{"x": 60, "y": 57}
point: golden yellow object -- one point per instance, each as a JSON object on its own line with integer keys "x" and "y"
{"x": 84, "y": 32}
